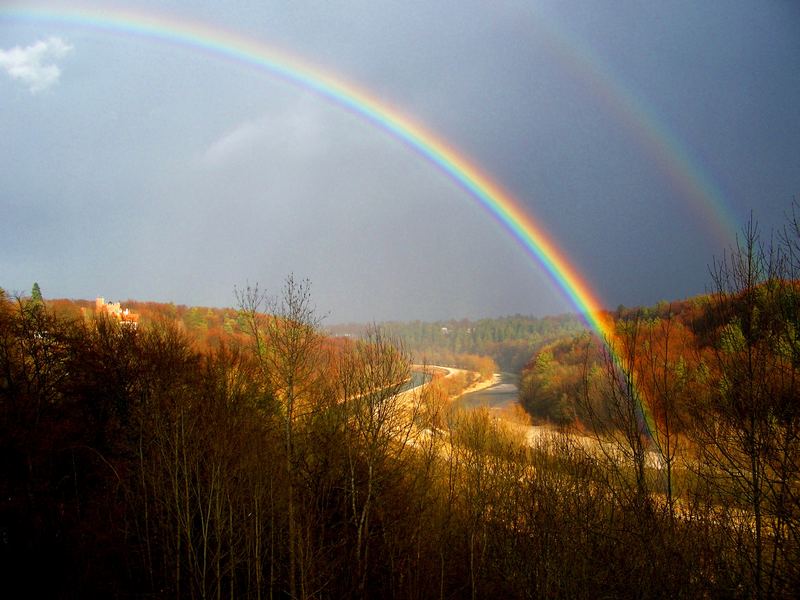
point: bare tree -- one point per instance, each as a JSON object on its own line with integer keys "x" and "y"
{"x": 749, "y": 428}
{"x": 380, "y": 422}
{"x": 288, "y": 346}
{"x": 611, "y": 398}
{"x": 664, "y": 376}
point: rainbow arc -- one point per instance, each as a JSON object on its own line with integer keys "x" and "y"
{"x": 225, "y": 44}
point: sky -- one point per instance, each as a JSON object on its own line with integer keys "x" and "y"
{"x": 638, "y": 136}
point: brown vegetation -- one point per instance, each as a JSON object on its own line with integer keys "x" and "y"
{"x": 139, "y": 462}
{"x": 696, "y": 406}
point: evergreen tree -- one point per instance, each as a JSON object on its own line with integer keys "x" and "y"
{"x": 36, "y": 294}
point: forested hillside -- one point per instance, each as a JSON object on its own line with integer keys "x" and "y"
{"x": 207, "y": 327}
{"x": 276, "y": 461}
{"x": 508, "y": 341}
{"x": 555, "y": 381}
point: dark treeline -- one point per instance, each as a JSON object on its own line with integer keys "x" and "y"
{"x": 508, "y": 341}
{"x": 140, "y": 463}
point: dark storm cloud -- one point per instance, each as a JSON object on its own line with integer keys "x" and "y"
{"x": 174, "y": 175}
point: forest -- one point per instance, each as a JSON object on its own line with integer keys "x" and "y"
{"x": 279, "y": 461}
{"x": 507, "y": 343}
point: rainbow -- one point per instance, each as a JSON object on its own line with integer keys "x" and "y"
{"x": 633, "y": 112}
{"x": 230, "y": 45}
{"x": 218, "y": 41}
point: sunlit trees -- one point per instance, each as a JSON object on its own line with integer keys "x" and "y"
{"x": 748, "y": 427}
{"x": 287, "y": 345}
{"x": 149, "y": 462}
{"x": 611, "y": 400}
{"x": 379, "y": 423}
{"x": 553, "y": 379}
{"x": 665, "y": 372}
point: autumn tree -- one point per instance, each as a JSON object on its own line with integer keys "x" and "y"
{"x": 666, "y": 370}
{"x": 748, "y": 428}
{"x": 379, "y": 425}
{"x": 287, "y": 344}
{"x": 611, "y": 400}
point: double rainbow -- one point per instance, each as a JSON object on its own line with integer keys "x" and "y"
{"x": 233, "y": 46}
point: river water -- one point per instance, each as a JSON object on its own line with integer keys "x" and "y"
{"x": 499, "y": 396}
{"x": 417, "y": 379}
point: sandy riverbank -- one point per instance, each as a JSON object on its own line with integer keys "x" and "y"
{"x": 481, "y": 384}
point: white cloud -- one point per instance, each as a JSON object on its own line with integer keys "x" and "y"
{"x": 35, "y": 65}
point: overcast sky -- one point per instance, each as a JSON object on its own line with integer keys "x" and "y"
{"x": 639, "y": 135}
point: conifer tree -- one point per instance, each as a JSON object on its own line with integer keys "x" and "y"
{"x": 36, "y": 294}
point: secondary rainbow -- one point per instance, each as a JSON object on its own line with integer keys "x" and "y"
{"x": 233, "y": 46}
{"x": 683, "y": 168}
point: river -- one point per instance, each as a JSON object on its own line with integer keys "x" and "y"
{"x": 417, "y": 379}
{"x": 501, "y": 395}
